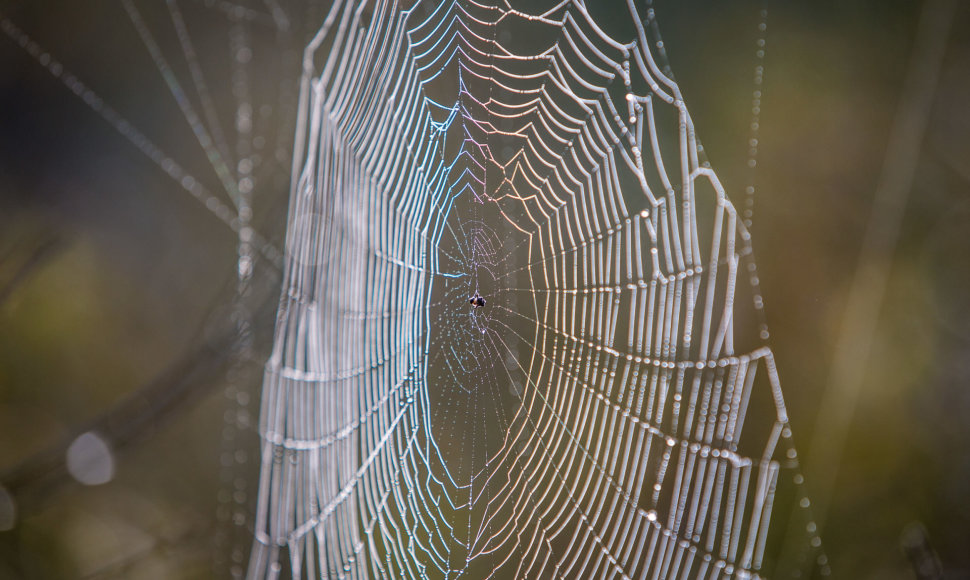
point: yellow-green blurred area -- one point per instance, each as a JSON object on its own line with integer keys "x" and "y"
{"x": 113, "y": 279}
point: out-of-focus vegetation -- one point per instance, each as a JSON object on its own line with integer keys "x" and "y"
{"x": 110, "y": 274}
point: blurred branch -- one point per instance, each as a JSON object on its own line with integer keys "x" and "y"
{"x": 140, "y": 414}
{"x": 916, "y": 545}
{"x": 868, "y": 287}
{"x": 48, "y": 247}
{"x": 879, "y": 244}
{"x": 144, "y": 411}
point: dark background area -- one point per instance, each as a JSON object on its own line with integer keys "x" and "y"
{"x": 110, "y": 272}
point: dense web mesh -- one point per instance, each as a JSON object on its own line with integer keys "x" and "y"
{"x": 586, "y": 420}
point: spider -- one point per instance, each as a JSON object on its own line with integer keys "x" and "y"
{"x": 477, "y": 301}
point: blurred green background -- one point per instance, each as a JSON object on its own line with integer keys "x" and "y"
{"x": 110, "y": 274}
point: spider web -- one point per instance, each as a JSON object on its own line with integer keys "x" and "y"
{"x": 587, "y": 421}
